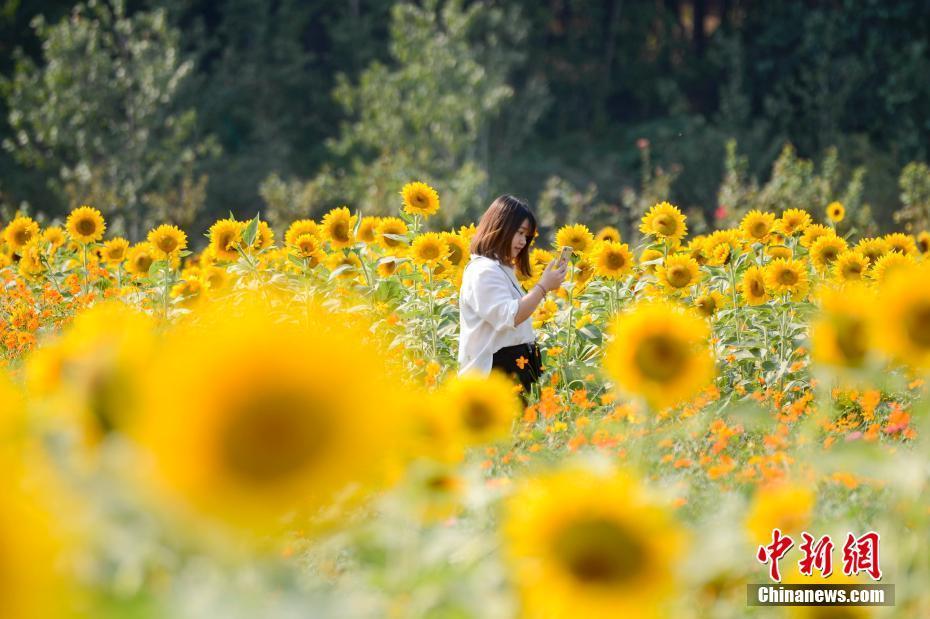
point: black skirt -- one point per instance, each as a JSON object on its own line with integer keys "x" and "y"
{"x": 508, "y": 359}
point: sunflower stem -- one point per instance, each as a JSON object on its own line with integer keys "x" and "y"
{"x": 736, "y": 309}
{"x": 432, "y": 318}
{"x": 84, "y": 264}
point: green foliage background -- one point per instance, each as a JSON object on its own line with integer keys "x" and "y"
{"x": 314, "y": 104}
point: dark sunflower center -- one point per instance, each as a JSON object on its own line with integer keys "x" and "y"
{"x": 661, "y": 357}
{"x": 759, "y": 229}
{"x": 273, "y": 434}
{"x": 829, "y": 254}
{"x": 851, "y": 340}
{"x": 440, "y": 483}
{"x": 599, "y": 552}
{"x": 23, "y": 236}
{"x": 340, "y": 231}
{"x": 707, "y": 306}
{"x": 872, "y": 255}
{"x": 143, "y": 262}
{"x": 167, "y": 244}
{"x": 86, "y": 227}
{"x": 478, "y": 415}
{"x": 852, "y": 269}
{"x": 756, "y": 287}
{"x": 787, "y": 277}
{"x": 455, "y": 254}
{"x": 615, "y": 261}
{"x": 429, "y": 252}
{"x": 679, "y": 276}
{"x": 917, "y": 324}
{"x": 666, "y": 225}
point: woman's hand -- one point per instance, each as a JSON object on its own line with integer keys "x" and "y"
{"x": 553, "y": 276}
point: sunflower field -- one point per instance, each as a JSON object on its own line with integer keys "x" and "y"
{"x": 273, "y": 426}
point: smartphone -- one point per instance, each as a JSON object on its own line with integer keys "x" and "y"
{"x": 563, "y": 257}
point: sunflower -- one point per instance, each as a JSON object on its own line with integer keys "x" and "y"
{"x": 784, "y": 505}
{"x": 888, "y": 264}
{"x": 841, "y": 334}
{"x": 904, "y": 315}
{"x": 779, "y": 251}
{"x": 339, "y": 259}
{"x": 387, "y": 266}
{"x": 587, "y": 544}
{"x": 901, "y": 243}
{"x": 540, "y": 259}
{"x": 420, "y": 199}
{"x": 679, "y": 272}
{"x": 459, "y": 251}
{"x": 757, "y": 226}
{"x": 923, "y": 242}
{"x": 836, "y": 212}
{"x": 792, "y": 221}
{"x": 576, "y": 236}
{"x": 695, "y": 249}
{"x": 167, "y": 240}
{"x": 139, "y": 258}
{"x": 338, "y": 227}
{"x": 753, "y": 286}
{"x": 814, "y": 232}
{"x": 20, "y": 232}
{"x": 613, "y": 260}
{"x": 114, "y": 250}
{"x": 429, "y": 248}
{"x": 85, "y": 224}
{"x": 709, "y": 301}
{"x": 30, "y": 262}
{"x": 225, "y": 235}
{"x": 54, "y": 237}
{"x": 650, "y": 255}
{"x": 32, "y": 586}
{"x": 98, "y": 361}
{"x": 310, "y": 248}
{"x": 368, "y": 229}
{"x": 608, "y": 233}
{"x": 664, "y": 221}
{"x": 484, "y": 408}
{"x": 187, "y": 291}
{"x": 264, "y": 236}
{"x": 787, "y": 277}
{"x": 392, "y": 233}
{"x": 660, "y": 352}
{"x": 825, "y": 250}
{"x": 720, "y": 244}
{"x": 873, "y": 249}
{"x": 299, "y": 228}
{"x": 850, "y": 266}
{"x": 274, "y": 431}
{"x": 214, "y": 277}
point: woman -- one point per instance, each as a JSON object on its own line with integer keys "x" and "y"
{"x": 494, "y": 308}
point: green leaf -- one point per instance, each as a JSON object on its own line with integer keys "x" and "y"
{"x": 340, "y": 270}
{"x": 251, "y": 230}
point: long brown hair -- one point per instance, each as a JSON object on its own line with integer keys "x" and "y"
{"x": 494, "y": 236}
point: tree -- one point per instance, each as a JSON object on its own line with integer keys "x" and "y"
{"x": 100, "y": 112}
{"x": 426, "y": 115}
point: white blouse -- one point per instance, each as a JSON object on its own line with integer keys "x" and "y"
{"x": 488, "y": 303}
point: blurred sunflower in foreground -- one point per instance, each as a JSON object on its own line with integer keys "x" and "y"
{"x": 589, "y": 545}
{"x": 660, "y": 351}
{"x": 267, "y": 418}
